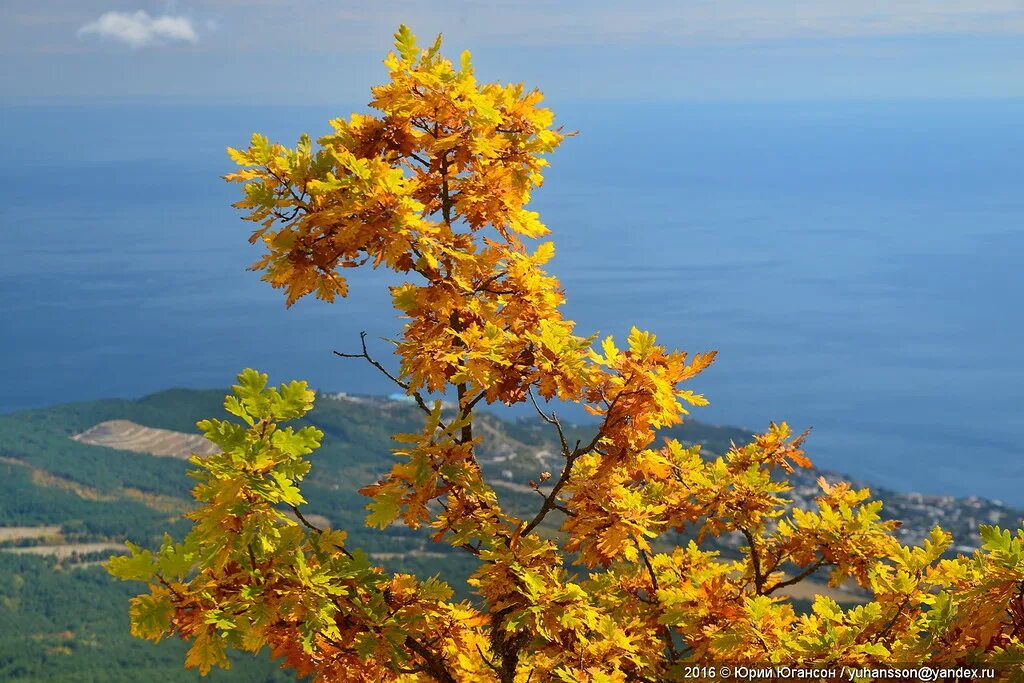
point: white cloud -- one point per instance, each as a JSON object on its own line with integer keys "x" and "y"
{"x": 139, "y": 29}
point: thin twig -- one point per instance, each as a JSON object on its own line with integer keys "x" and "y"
{"x": 313, "y": 527}
{"x": 551, "y": 419}
{"x": 551, "y": 499}
{"x": 169, "y": 587}
{"x": 487, "y": 660}
{"x": 798, "y": 578}
{"x": 305, "y": 522}
{"x": 375, "y": 363}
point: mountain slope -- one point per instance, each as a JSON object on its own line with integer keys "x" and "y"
{"x": 66, "y": 490}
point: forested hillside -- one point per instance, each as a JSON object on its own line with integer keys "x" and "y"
{"x": 66, "y": 504}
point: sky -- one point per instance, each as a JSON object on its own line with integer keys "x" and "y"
{"x": 324, "y": 51}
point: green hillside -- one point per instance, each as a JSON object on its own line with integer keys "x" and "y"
{"x": 66, "y": 620}
{"x": 63, "y": 619}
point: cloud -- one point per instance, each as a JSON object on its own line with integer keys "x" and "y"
{"x": 139, "y": 29}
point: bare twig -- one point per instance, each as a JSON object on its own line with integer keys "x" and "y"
{"x": 487, "y": 660}
{"x": 798, "y": 578}
{"x": 551, "y": 500}
{"x": 375, "y": 363}
{"x": 312, "y": 527}
{"x": 300, "y": 201}
{"x": 169, "y": 587}
{"x": 472, "y": 403}
{"x": 305, "y": 522}
{"x": 551, "y": 419}
{"x": 420, "y": 159}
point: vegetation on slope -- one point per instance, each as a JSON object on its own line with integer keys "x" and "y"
{"x": 64, "y": 621}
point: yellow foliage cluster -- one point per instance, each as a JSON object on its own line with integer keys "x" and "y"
{"x": 435, "y": 188}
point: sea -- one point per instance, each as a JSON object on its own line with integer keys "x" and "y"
{"x": 856, "y": 264}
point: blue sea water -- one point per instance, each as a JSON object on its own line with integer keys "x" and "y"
{"x": 856, "y": 264}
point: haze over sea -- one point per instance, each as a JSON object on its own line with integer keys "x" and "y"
{"x": 856, "y": 264}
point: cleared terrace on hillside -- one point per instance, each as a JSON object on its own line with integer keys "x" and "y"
{"x": 129, "y": 436}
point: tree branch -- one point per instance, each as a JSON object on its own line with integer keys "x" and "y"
{"x": 551, "y": 419}
{"x": 446, "y": 200}
{"x": 433, "y": 663}
{"x": 169, "y": 587}
{"x": 312, "y": 527}
{"x": 472, "y": 403}
{"x": 375, "y": 363}
{"x": 466, "y": 433}
{"x": 305, "y": 522}
{"x": 755, "y": 560}
{"x": 895, "y": 617}
{"x": 551, "y": 499}
{"x": 665, "y": 631}
{"x": 798, "y": 578}
{"x": 487, "y": 660}
{"x": 298, "y": 200}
